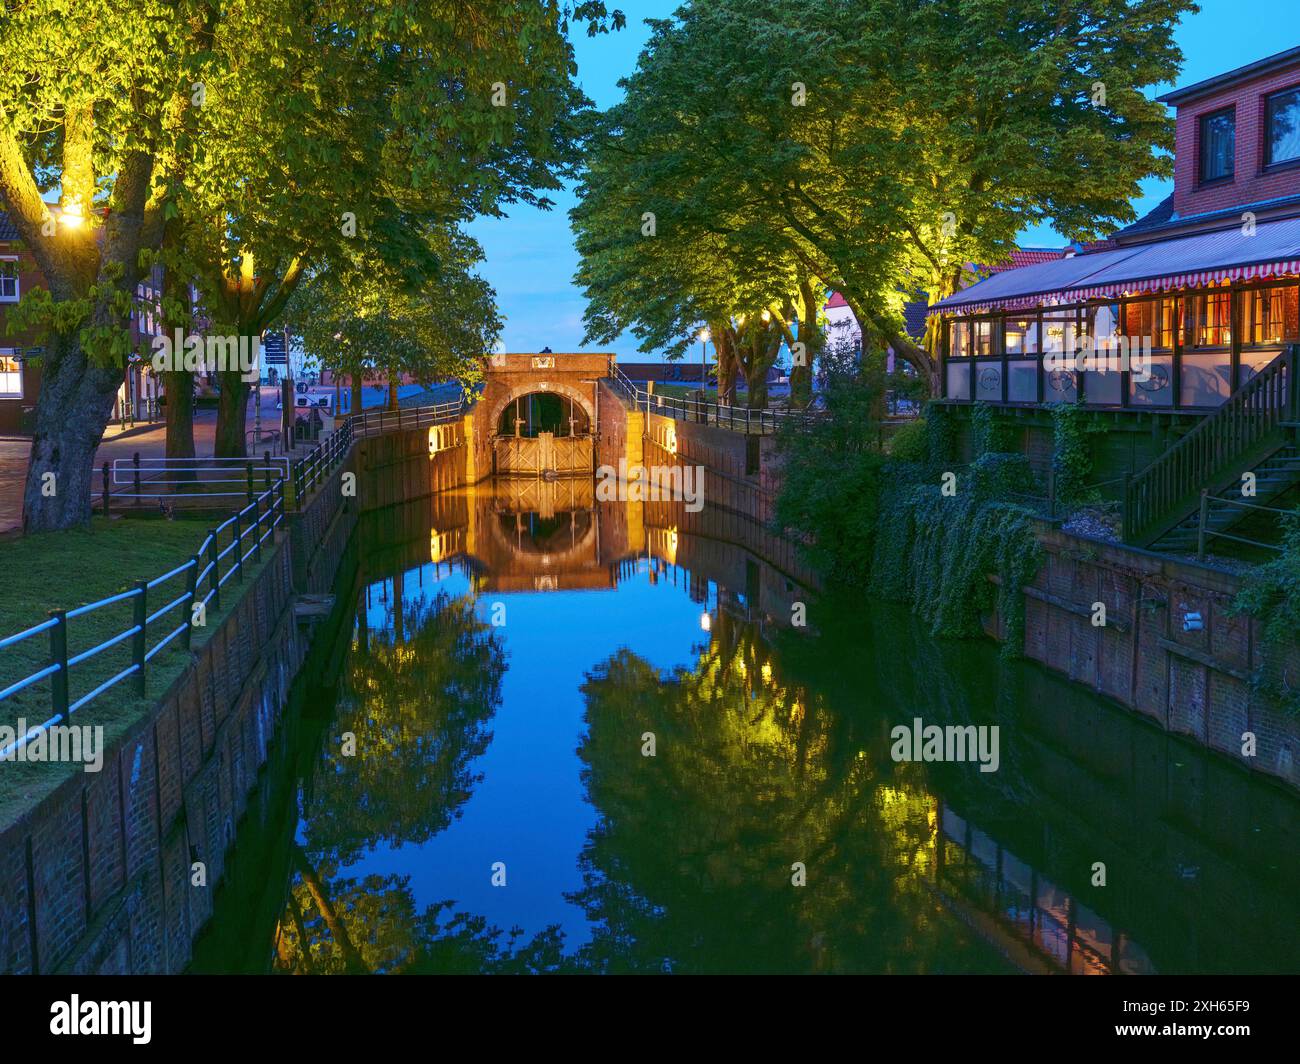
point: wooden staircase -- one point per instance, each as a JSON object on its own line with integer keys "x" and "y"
{"x": 1255, "y": 430}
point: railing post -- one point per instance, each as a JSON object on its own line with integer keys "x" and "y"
{"x": 257, "y": 530}
{"x": 191, "y": 587}
{"x": 139, "y": 640}
{"x": 1200, "y": 534}
{"x": 59, "y": 657}
{"x": 104, "y": 473}
{"x": 135, "y": 458}
{"x": 266, "y": 469}
{"x": 248, "y": 467}
{"x": 215, "y": 576}
{"x": 239, "y": 549}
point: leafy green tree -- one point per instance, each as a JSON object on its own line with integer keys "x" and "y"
{"x": 878, "y": 147}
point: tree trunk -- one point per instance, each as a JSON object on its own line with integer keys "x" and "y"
{"x": 180, "y": 417}
{"x": 232, "y": 409}
{"x": 355, "y": 388}
{"x": 352, "y": 961}
{"x": 756, "y": 383}
{"x": 392, "y": 394}
{"x": 75, "y": 404}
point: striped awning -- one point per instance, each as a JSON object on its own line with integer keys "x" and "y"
{"x": 1271, "y": 249}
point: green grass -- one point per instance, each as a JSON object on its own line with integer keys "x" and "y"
{"x": 63, "y": 570}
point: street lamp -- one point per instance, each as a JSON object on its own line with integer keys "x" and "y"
{"x": 704, "y": 346}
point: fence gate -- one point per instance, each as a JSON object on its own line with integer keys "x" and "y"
{"x": 544, "y": 453}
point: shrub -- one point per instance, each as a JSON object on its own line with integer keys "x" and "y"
{"x": 910, "y": 443}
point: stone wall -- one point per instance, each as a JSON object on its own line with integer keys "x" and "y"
{"x": 97, "y": 878}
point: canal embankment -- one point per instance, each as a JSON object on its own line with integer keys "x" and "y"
{"x": 114, "y": 871}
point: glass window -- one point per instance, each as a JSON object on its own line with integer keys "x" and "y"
{"x": 1155, "y": 386}
{"x": 1272, "y": 315}
{"x": 1060, "y": 386}
{"x": 9, "y": 280}
{"x": 1022, "y": 336}
{"x": 1252, "y": 361}
{"x": 1022, "y": 381}
{"x": 1059, "y": 332}
{"x": 958, "y": 380}
{"x": 1209, "y": 322}
{"x": 1103, "y": 386}
{"x": 1283, "y": 143}
{"x": 11, "y": 374}
{"x": 988, "y": 381}
{"x": 1205, "y": 379}
{"x": 1218, "y": 145}
{"x": 959, "y": 346}
{"x": 983, "y": 341}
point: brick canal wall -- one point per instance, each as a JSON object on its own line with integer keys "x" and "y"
{"x": 98, "y": 877}
{"x": 1194, "y": 682}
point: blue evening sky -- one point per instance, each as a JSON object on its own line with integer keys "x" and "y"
{"x": 530, "y": 255}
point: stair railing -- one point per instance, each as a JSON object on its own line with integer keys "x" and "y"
{"x": 1261, "y": 408}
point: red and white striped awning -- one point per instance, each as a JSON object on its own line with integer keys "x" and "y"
{"x": 1203, "y": 260}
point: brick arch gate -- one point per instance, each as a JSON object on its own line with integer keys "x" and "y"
{"x": 508, "y": 378}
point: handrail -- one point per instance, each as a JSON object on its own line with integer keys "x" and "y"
{"x": 268, "y": 510}
{"x": 721, "y": 414}
{"x": 1257, "y": 411}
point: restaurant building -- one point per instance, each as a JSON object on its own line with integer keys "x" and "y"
{"x": 1176, "y": 324}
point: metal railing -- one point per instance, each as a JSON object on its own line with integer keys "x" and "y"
{"x": 738, "y": 419}
{"x": 309, "y": 471}
{"x": 376, "y": 422}
{"x": 1252, "y": 419}
{"x": 1205, "y": 532}
{"x": 204, "y": 574}
{"x": 159, "y": 478}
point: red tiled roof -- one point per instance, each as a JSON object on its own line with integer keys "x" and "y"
{"x": 1026, "y": 257}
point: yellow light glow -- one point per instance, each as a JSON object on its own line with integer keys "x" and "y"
{"x": 767, "y": 672}
{"x": 71, "y": 216}
{"x": 767, "y": 315}
{"x": 706, "y": 622}
{"x": 705, "y": 336}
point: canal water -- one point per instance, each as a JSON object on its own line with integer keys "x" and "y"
{"x": 549, "y": 734}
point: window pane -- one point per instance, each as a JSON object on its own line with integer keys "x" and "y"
{"x": 1210, "y": 320}
{"x": 1218, "y": 145}
{"x": 11, "y": 374}
{"x": 1284, "y": 127}
{"x": 8, "y": 280}
{"x": 1271, "y": 315}
{"x": 1060, "y": 386}
{"x": 1103, "y": 386}
{"x": 988, "y": 381}
{"x": 1205, "y": 379}
{"x": 960, "y": 343}
{"x": 1252, "y": 362}
{"x": 1022, "y": 381}
{"x": 1059, "y": 333}
{"x": 1157, "y": 388}
{"x": 1022, "y": 336}
{"x": 958, "y": 380}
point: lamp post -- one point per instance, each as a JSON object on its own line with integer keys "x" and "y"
{"x": 704, "y": 371}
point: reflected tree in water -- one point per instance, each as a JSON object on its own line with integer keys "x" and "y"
{"x": 690, "y": 865}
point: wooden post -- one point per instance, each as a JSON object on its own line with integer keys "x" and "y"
{"x": 104, "y": 473}
{"x": 59, "y": 657}
{"x": 248, "y": 468}
{"x": 238, "y": 541}
{"x": 215, "y": 575}
{"x": 257, "y": 530}
{"x": 135, "y": 458}
{"x": 266, "y": 471}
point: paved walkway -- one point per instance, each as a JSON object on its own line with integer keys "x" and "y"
{"x": 152, "y": 443}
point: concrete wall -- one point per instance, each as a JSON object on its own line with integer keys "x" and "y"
{"x": 97, "y": 878}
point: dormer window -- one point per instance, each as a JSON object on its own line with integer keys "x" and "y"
{"x": 1218, "y": 145}
{"x": 1282, "y": 123}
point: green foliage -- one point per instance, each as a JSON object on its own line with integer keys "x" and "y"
{"x": 990, "y": 431}
{"x": 935, "y": 552}
{"x": 941, "y": 433}
{"x": 911, "y": 443}
{"x": 831, "y": 480}
{"x": 1272, "y": 592}
{"x": 1072, "y": 455}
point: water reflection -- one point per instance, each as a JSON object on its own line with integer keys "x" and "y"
{"x": 523, "y": 745}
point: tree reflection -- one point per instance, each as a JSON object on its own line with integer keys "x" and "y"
{"x": 690, "y": 865}
{"x": 417, "y": 696}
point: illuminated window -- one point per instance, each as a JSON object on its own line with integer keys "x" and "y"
{"x": 960, "y": 345}
{"x": 1271, "y": 315}
{"x": 1210, "y": 320}
{"x": 11, "y": 374}
{"x": 1022, "y": 336}
{"x": 9, "y": 280}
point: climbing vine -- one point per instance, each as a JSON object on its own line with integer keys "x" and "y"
{"x": 935, "y": 551}
{"x": 1272, "y": 591}
{"x": 1072, "y": 454}
{"x": 990, "y": 432}
{"x": 941, "y": 435}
